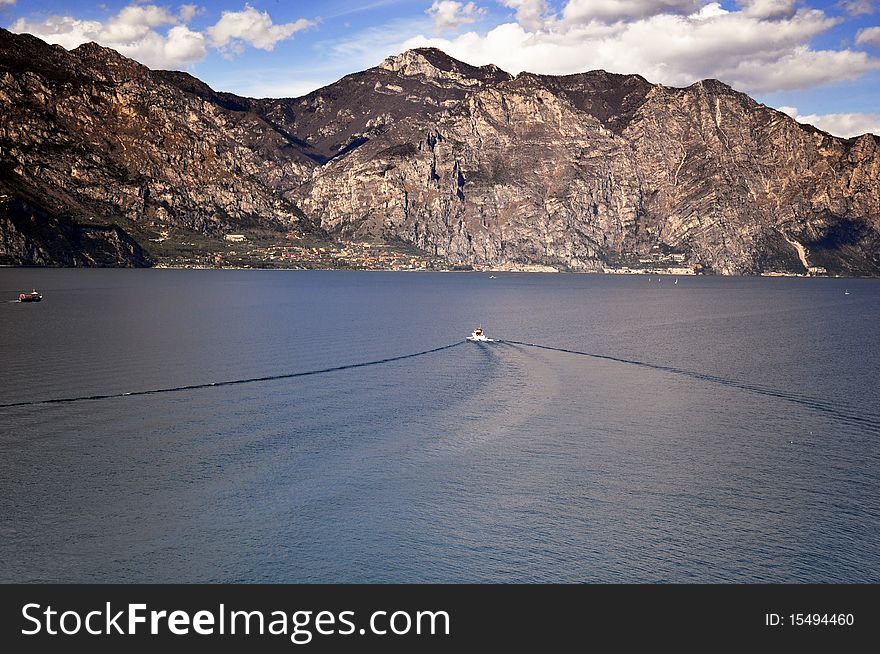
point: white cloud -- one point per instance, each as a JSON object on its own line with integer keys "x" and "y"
{"x": 132, "y": 32}
{"x": 178, "y": 48}
{"x": 7, "y": 2}
{"x": 869, "y": 36}
{"x": 609, "y": 11}
{"x": 845, "y": 125}
{"x": 763, "y": 9}
{"x": 710, "y": 10}
{"x": 188, "y": 12}
{"x": 857, "y": 7}
{"x": 745, "y": 48}
{"x": 62, "y": 30}
{"x": 531, "y": 14}
{"x": 801, "y": 68}
{"x": 158, "y": 38}
{"x": 449, "y": 14}
{"x": 134, "y": 22}
{"x": 252, "y": 27}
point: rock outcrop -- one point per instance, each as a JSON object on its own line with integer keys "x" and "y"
{"x": 578, "y": 172}
{"x": 32, "y": 236}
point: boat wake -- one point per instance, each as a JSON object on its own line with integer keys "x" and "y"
{"x": 869, "y": 419}
{"x": 230, "y": 382}
{"x": 854, "y": 414}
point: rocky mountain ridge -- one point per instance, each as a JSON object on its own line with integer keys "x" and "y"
{"x": 588, "y": 172}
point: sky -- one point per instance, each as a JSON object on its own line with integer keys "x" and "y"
{"x": 817, "y": 60}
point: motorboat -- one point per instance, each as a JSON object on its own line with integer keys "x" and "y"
{"x": 479, "y": 336}
{"x": 33, "y": 296}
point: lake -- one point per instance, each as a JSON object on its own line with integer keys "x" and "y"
{"x": 727, "y": 431}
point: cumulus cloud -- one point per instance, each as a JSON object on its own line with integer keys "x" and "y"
{"x": 188, "y": 12}
{"x": 252, "y": 27}
{"x": 869, "y": 36}
{"x": 761, "y": 46}
{"x": 857, "y": 7}
{"x": 132, "y": 32}
{"x": 160, "y": 38}
{"x": 135, "y": 22}
{"x": 7, "y": 2}
{"x": 531, "y": 14}
{"x": 62, "y": 30}
{"x": 768, "y": 8}
{"x": 845, "y": 125}
{"x": 179, "y": 47}
{"x": 449, "y": 14}
{"x": 615, "y": 10}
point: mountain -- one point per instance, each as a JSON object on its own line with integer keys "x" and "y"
{"x": 90, "y": 137}
{"x": 468, "y": 164}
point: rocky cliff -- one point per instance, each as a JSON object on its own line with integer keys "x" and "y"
{"x": 583, "y": 171}
{"x": 579, "y": 172}
{"x": 33, "y": 236}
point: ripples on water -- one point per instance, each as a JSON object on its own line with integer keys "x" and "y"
{"x": 729, "y": 434}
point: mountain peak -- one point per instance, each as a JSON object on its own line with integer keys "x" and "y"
{"x": 434, "y": 63}
{"x": 92, "y": 51}
{"x": 715, "y": 86}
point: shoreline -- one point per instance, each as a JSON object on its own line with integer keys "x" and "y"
{"x": 487, "y": 271}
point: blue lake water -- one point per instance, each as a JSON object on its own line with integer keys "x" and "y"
{"x": 732, "y": 433}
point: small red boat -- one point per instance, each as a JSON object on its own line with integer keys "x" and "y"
{"x": 33, "y": 296}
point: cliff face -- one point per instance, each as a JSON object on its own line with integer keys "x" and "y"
{"x": 578, "y": 172}
{"x": 31, "y": 236}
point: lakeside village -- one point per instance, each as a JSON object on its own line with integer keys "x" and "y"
{"x": 296, "y": 253}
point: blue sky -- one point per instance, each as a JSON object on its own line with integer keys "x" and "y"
{"x": 818, "y": 60}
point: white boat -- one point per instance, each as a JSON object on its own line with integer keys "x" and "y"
{"x": 478, "y": 336}
{"x": 846, "y": 292}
